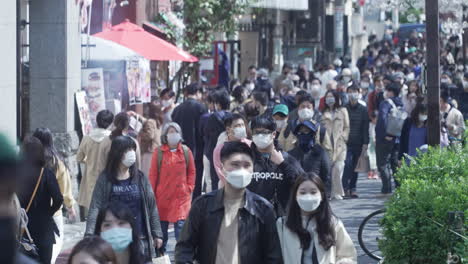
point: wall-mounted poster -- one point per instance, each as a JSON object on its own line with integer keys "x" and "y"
{"x": 92, "y": 82}
{"x": 85, "y": 115}
{"x": 138, "y": 80}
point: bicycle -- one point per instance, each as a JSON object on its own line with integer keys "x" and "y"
{"x": 370, "y": 233}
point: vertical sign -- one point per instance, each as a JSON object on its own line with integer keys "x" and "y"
{"x": 92, "y": 82}
{"x": 339, "y": 27}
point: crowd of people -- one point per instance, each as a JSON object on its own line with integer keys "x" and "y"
{"x": 243, "y": 173}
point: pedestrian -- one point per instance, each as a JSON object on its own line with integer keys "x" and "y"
{"x": 414, "y": 133}
{"x": 167, "y": 104}
{"x": 149, "y": 139}
{"x": 55, "y": 163}
{"x": 274, "y": 170}
{"x": 172, "y": 176}
{"x": 263, "y": 83}
{"x": 122, "y": 182}
{"x": 452, "y": 119}
{"x": 231, "y": 224}
{"x": 260, "y": 101}
{"x": 309, "y": 153}
{"x": 121, "y": 126}
{"x": 311, "y": 233}
{"x": 41, "y": 198}
{"x": 88, "y": 155}
{"x": 285, "y": 73}
{"x": 116, "y": 224}
{"x": 280, "y": 115}
{"x": 236, "y": 130}
{"x": 385, "y": 143}
{"x": 373, "y": 173}
{"x": 92, "y": 250}
{"x": 240, "y": 95}
{"x": 358, "y": 140}
{"x": 336, "y": 122}
{"x": 411, "y": 99}
{"x": 372, "y": 105}
{"x": 187, "y": 115}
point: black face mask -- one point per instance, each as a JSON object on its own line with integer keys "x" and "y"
{"x": 8, "y": 242}
{"x": 306, "y": 141}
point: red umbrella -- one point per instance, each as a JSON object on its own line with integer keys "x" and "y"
{"x": 147, "y": 45}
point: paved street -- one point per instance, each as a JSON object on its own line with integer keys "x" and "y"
{"x": 351, "y": 212}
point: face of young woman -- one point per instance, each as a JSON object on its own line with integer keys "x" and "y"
{"x": 307, "y": 187}
{"x": 110, "y": 221}
{"x": 83, "y": 258}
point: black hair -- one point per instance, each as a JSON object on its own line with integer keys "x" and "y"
{"x": 287, "y": 65}
{"x": 32, "y": 151}
{"x": 252, "y": 67}
{"x": 316, "y": 79}
{"x": 122, "y": 212}
{"x": 121, "y": 122}
{"x": 232, "y": 83}
{"x": 119, "y": 146}
{"x": 353, "y": 87}
{"x": 168, "y": 91}
{"x": 263, "y": 122}
{"x": 260, "y": 97}
{"x": 337, "y": 99}
{"x": 104, "y": 118}
{"x": 250, "y": 110}
{"x": 394, "y": 87}
{"x": 234, "y": 147}
{"x": 420, "y": 108}
{"x": 306, "y": 98}
{"x": 221, "y": 97}
{"x": 192, "y": 89}
{"x": 95, "y": 247}
{"x": 231, "y": 118}
{"x": 323, "y": 215}
{"x": 445, "y": 96}
{"x": 51, "y": 154}
{"x": 237, "y": 93}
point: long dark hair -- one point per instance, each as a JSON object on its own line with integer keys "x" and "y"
{"x": 323, "y": 215}
{"x": 97, "y": 248}
{"x": 122, "y": 212}
{"x": 51, "y": 154}
{"x": 121, "y": 122}
{"x": 337, "y": 99}
{"x": 120, "y": 145}
{"x": 420, "y": 108}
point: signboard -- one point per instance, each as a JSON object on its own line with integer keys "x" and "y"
{"x": 339, "y": 29}
{"x": 138, "y": 74}
{"x": 92, "y": 82}
{"x": 83, "y": 110}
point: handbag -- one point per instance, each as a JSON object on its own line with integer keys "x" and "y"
{"x": 161, "y": 259}
{"x": 363, "y": 164}
{"x": 26, "y": 244}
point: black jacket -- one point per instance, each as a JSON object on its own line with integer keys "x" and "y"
{"x": 273, "y": 182}
{"x": 315, "y": 160}
{"x": 187, "y": 115}
{"x": 358, "y": 125}
{"x": 258, "y": 238}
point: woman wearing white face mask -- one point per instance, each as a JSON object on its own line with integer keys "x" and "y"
{"x": 310, "y": 233}
{"x": 122, "y": 182}
{"x": 414, "y": 132}
{"x": 172, "y": 176}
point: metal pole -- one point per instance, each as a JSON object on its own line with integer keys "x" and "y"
{"x": 464, "y": 37}
{"x": 88, "y": 34}
{"x": 433, "y": 65}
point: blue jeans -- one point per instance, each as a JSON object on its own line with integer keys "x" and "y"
{"x": 177, "y": 228}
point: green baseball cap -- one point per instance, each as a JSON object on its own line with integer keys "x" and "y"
{"x": 281, "y": 108}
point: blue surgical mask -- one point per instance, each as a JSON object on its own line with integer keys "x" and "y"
{"x": 119, "y": 238}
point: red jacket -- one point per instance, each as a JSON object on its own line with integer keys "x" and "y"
{"x": 173, "y": 188}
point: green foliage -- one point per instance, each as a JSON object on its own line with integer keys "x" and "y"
{"x": 434, "y": 185}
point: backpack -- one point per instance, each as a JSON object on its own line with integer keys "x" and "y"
{"x": 160, "y": 157}
{"x": 396, "y": 119}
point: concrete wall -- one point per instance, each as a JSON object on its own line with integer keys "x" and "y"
{"x": 8, "y": 68}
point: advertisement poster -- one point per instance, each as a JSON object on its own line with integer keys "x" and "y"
{"x": 138, "y": 73}
{"x": 85, "y": 115}
{"x": 92, "y": 82}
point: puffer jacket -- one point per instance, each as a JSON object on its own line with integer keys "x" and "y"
{"x": 100, "y": 200}
{"x": 273, "y": 182}
{"x": 315, "y": 160}
{"x": 258, "y": 238}
{"x": 359, "y": 125}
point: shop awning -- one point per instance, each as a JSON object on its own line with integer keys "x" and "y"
{"x": 147, "y": 45}
{"x": 300, "y": 5}
{"x": 104, "y": 50}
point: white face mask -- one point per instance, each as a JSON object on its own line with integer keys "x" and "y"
{"x": 280, "y": 124}
{"x": 250, "y": 87}
{"x": 422, "y": 118}
{"x": 306, "y": 114}
{"x": 354, "y": 97}
{"x": 239, "y": 179}
{"x": 239, "y": 132}
{"x": 309, "y": 202}
{"x": 365, "y": 85}
{"x": 314, "y": 90}
{"x": 129, "y": 158}
{"x": 346, "y": 79}
{"x": 385, "y": 95}
{"x": 262, "y": 141}
{"x": 173, "y": 138}
{"x": 166, "y": 103}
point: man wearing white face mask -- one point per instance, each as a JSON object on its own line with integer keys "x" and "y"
{"x": 235, "y": 132}
{"x": 274, "y": 171}
{"x": 231, "y": 225}
{"x": 281, "y": 115}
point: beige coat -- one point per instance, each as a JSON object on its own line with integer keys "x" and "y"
{"x": 337, "y": 126}
{"x": 455, "y": 123}
{"x": 343, "y": 252}
{"x": 65, "y": 184}
{"x": 88, "y": 154}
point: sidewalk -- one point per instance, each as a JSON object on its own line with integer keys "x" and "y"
{"x": 351, "y": 212}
